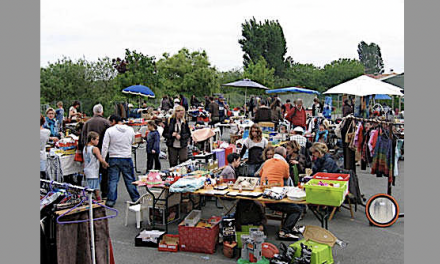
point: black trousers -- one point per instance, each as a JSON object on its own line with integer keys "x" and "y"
{"x": 150, "y": 158}
{"x": 104, "y": 180}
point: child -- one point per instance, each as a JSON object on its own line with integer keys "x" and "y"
{"x": 321, "y": 135}
{"x": 153, "y": 147}
{"x": 59, "y": 115}
{"x": 229, "y": 173}
{"x": 92, "y": 157}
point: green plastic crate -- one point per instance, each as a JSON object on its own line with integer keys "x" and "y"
{"x": 326, "y": 195}
{"x": 321, "y": 253}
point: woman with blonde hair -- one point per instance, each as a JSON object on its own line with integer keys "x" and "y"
{"x": 176, "y": 134}
{"x": 255, "y": 143}
{"x": 324, "y": 162}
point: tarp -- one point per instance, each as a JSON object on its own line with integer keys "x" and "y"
{"x": 364, "y": 85}
{"x": 292, "y": 90}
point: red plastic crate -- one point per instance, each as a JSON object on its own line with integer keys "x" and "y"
{"x": 331, "y": 176}
{"x": 165, "y": 247}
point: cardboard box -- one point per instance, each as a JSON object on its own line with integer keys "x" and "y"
{"x": 169, "y": 243}
{"x": 172, "y": 200}
{"x": 173, "y": 214}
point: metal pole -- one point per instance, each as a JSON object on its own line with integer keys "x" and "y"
{"x": 92, "y": 234}
{"x": 245, "y": 102}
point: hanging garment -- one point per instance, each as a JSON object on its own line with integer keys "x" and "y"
{"x": 349, "y": 155}
{"x": 76, "y": 238}
{"x": 397, "y": 155}
{"x": 365, "y": 152}
{"x": 373, "y": 141}
{"x": 54, "y": 171}
{"x": 382, "y": 164}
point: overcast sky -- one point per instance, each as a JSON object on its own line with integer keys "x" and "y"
{"x": 316, "y": 31}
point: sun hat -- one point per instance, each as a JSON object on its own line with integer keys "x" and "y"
{"x": 298, "y": 129}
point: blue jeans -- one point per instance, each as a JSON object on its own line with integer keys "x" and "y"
{"x": 293, "y": 212}
{"x": 116, "y": 166}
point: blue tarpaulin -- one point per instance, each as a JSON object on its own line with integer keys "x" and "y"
{"x": 292, "y": 90}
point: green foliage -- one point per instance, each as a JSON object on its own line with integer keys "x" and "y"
{"x": 340, "y": 71}
{"x": 187, "y": 73}
{"x": 264, "y": 40}
{"x": 304, "y": 75}
{"x": 371, "y": 57}
{"x": 260, "y": 72}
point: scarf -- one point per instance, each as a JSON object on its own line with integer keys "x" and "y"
{"x": 51, "y": 124}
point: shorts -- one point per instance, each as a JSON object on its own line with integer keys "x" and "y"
{"x": 93, "y": 184}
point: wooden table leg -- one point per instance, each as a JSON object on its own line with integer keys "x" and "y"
{"x": 333, "y": 212}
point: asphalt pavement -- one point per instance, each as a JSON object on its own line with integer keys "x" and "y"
{"x": 366, "y": 243}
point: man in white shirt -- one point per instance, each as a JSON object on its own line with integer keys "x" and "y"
{"x": 298, "y": 137}
{"x": 118, "y": 140}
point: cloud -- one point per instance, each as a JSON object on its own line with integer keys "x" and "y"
{"x": 315, "y": 31}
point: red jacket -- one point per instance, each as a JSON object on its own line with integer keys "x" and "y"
{"x": 297, "y": 117}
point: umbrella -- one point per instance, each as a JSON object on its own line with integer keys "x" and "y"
{"x": 382, "y": 97}
{"x": 139, "y": 90}
{"x": 246, "y": 83}
{"x": 364, "y": 85}
{"x": 292, "y": 90}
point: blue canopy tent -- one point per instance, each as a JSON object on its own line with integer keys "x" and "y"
{"x": 292, "y": 90}
{"x": 382, "y": 97}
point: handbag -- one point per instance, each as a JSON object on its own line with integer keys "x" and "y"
{"x": 78, "y": 155}
{"x": 349, "y": 136}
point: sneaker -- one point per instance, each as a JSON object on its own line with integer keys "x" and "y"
{"x": 287, "y": 236}
{"x": 298, "y": 229}
{"x": 109, "y": 203}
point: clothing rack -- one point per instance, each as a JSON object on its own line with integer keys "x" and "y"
{"x": 90, "y": 193}
{"x": 389, "y": 189}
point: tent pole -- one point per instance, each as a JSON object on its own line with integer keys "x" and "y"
{"x": 245, "y": 91}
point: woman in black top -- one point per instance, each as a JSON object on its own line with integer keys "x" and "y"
{"x": 176, "y": 134}
{"x": 256, "y": 144}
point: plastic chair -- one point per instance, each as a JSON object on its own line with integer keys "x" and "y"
{"x": 138, "y": 207}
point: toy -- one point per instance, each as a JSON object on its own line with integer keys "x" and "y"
{"x": 252, "y": 245}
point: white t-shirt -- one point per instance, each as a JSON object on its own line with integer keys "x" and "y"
{"x": 44, "y": 138}
{"x": 72, "y": 109}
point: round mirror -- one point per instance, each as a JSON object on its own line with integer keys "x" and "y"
{"x": 382, "y": 210}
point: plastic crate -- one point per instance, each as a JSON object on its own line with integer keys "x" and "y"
{"x": 321, "y": 253}
{"x": 169, "y": 243}
{"x": 331, "y": 176}
{"x": 325, "y": 195}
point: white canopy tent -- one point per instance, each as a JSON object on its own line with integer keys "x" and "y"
{"x": 363, "y": 86}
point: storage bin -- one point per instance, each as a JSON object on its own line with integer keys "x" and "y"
{"x": 193, "y": 218}
{"x": 169, "y": 243}
{"x": 151, "y": 240}
{"x": 325, "y": 195}
{"x": 331, "y": 176}
{"x": 321, "y": 253}
{"x": 198, "y": 239}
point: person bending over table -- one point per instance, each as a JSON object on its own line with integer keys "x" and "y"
{"x": 176, "y": 134}
{"x": 229, "y": 172}
{"x": 256, "y": 144}
{"x": 324, "y": 162}
{"x": 275, "y": 171}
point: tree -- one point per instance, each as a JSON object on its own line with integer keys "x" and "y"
{"x": 304, "y": 75}
{"x": 371, "y": 57}
{"x": 264, "y": 40}
{"x": 340, "y": 71}
{"x": 260, "y": 72}
{"x": 188, "y": 73}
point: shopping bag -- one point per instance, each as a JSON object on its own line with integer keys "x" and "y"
{"x": 78, "y": 156}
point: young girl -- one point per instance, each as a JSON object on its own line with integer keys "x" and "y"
{"x": 92, "y": 157}
{"x": 153, "y": 147}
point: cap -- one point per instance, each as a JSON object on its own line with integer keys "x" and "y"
{"x": 130, "y": 105}
{"x": 176, "y": 100}
{"x": 298, "y": 129}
